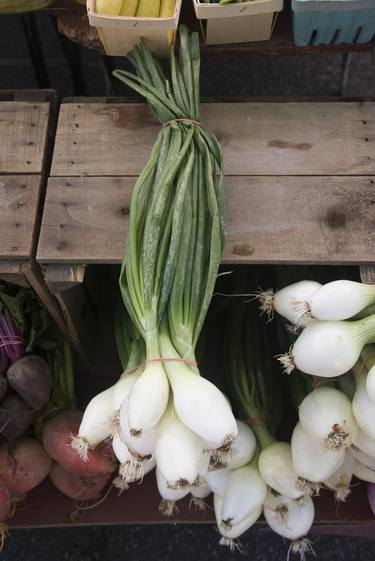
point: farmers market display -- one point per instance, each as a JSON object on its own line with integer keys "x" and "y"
{"x": 202, "y": 400}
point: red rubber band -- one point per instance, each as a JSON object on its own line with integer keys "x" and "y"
{"x": 257, "y": 422}
{"x": 198, "y": 123}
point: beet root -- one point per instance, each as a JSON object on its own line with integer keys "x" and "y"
{"x": 23, "y": 466}
{"x": 57, "y": 438}
{"x": 78, "y": 487}
{"x": 15, "y": 416}
{"x": 30, "y": 377}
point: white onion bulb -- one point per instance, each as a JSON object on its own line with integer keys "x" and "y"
{"x": 148, "y": 399}
{"x": 340, "y": 480}
{"x": 230, "y": 533}
{"x": 178, "y": 453}
{"x": 364, "y": 473}
{"x": 142, "y": 445}
{"x": 311, "y": 460}
{"x": 217, "y": 480}
{"x": 276, "y": 467}
{"x": 338, "y": 300}
{"x": 370, "y": 384}
{"x": 365, "y": 443}
{"x": 329, "y": 348}
{"x": 245, "y": 493}
{"x": 96, "y": 424}
{"x": 364, "y": 409}
{"x": 289, "y": 518}
{"x": 326, "y": 414}
{"x": 284, "y": 300}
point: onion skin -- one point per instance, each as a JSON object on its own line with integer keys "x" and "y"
{"x": 57, "y": 436}
{"x": 23, "y": 466}
{"x": 78, "y": 487}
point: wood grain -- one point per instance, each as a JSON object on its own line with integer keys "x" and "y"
{"x": 19, "y": 199}
{"x": 309, "y": 138}
{"x": 23, "y": 132}
{"x": 270, "y": 220}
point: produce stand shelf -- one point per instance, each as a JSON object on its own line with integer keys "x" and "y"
{"x": 46, "y": 507}
{"x": 27, "y": 121}
{"x": 300, "y": 179}
{"x": 281, "y": 43}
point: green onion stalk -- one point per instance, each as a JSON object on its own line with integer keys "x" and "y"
{"x": 174, "y": 247}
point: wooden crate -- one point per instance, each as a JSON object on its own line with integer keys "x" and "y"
{"x": 300, "y": 178}
{"x": 27, "y": 125}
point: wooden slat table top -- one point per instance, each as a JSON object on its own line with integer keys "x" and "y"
{"x": 270, "y": 219}
{"x": 291, "y": 138}
{"x": 23, "y": 134}
{"x": 19, "y": 200}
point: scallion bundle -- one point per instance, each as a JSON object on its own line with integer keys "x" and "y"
{"x": 174, "y": 247}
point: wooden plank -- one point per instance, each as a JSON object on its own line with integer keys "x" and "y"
{"x": 367, "y": 274}
{"x": 312, "y": 138}
{"x": 270, "y": 219}
{"x": 62, "y": 277}
{"x": 23, "y": 133}
{"x": 19, "y": 200}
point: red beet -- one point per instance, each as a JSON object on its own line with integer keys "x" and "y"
{"x": 57, "y": 437}
{"x": 23, "y": 466}
{"x": 30, "y": 377}
{"x": 78, "y": 487}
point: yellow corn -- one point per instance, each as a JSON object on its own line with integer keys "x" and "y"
{"x": 167, "y": 11}
{"x": 167, "y": 8}
{"x": 129, "y": 8}
{"x": 14, "y": 6}
{"x": 148, "y": 9}
{"x": 108, "y": 7}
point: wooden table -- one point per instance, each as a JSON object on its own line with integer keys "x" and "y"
{"x": 27, "y": 122}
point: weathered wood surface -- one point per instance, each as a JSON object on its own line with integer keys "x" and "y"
{"x": 270, "y": 219}
{"x": 19, "y": 200}
{"x": 312, "y": 138}
{"x": 23, "y": 132}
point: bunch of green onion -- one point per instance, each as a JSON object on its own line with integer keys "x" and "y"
{"x": 162, "y": 410}
{"x": 332, "y": 330}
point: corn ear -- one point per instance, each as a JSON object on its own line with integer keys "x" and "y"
{"x": 148, "y": 9}
{"x": 167, "y": 8}
{"x": 129, "y": 8}
{"x": 14, "y": 6}
{"x": 108, "y": 7}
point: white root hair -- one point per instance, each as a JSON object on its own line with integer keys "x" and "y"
{"x": 168, "y": 508}
{"x": 266, "y": 299}
{"x": 120, "y": 484}
{"x": 287, "y": 362}
{"x": 232, "y": 544}
{"x": 302, "y": 309}
{"x": 81, "y": 446}
{"x": 197, "y": 504}
{"x": 301, "y": 547}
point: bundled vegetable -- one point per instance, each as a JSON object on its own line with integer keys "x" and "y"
{"x": 334, "y": 438}
{"x": 165, "y": 413}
